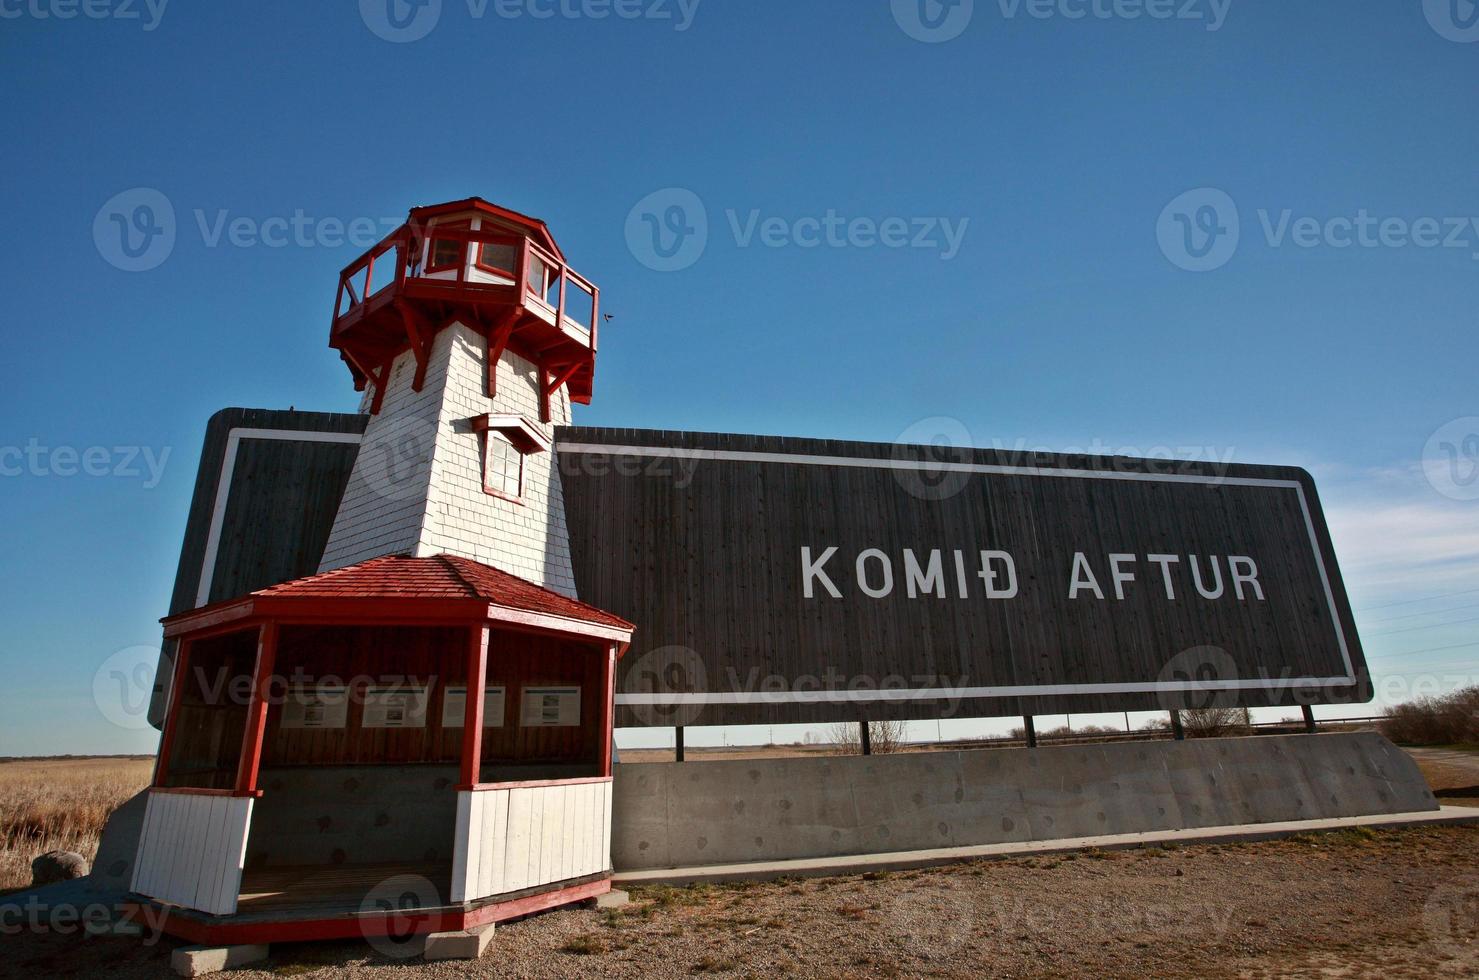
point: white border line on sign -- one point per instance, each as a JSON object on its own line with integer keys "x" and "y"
{"x": 996, "y": 469}
{"x": 223, "y": 489}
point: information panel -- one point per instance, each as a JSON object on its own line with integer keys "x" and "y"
{"x": 550, "y": 707}
{"x": 454, "y": 707}
{"x": 325, "y": 706}
{"x": 395, "y": 707}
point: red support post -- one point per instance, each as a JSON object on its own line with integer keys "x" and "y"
{"x": 172, "y": 712}
{"x": 608, "y": 720}
{"x": 498, "y": 339}
{"x": 472, "y": 719}
{"x": 544, "y": 392}
{"x": 420, "y": 336}
{"x": 382, "y": 378}
{"x": 256, "y": 720}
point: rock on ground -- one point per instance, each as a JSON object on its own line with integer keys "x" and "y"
{"x": 54, "y": 866}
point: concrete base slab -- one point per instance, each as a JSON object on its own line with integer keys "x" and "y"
{"x": 468, "y": 944}
{"x": 902, "y": 860}
{"x": 196, "y": 961}
{"x": 614, "y": 899}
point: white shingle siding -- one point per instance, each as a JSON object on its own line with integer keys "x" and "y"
{"x": 417, "y": 485}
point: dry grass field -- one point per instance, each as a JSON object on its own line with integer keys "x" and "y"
{"x": 59, "y": 805}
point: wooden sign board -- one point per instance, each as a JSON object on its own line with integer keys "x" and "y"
{"x": 784, "y": 580}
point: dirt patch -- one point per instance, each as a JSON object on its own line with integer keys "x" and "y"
{"x": 1355, "y": 904}
{"x": 1452, "y": 771}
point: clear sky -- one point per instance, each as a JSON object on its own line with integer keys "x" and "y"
{"x": 1251, "y": 235}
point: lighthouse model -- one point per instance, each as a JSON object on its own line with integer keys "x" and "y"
{"x": 414, "y": 734}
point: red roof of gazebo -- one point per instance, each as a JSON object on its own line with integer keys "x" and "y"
{"x": 399, "y": 588}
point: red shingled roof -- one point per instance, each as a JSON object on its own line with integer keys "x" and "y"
{"x": 439, "y": 577}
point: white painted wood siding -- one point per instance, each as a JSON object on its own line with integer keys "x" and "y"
{"x": 191, "y": 850}
{"x": 523, "y": 837}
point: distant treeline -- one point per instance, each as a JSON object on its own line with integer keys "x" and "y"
{"x": 1452, "y": 719}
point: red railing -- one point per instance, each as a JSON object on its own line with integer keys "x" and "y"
{"x": 543, "y": 275}
{"x": 366, "y": 264}
{"x": 538, "y": 275}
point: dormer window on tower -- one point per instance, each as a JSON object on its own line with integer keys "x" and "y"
{"x": 506, "y": 441}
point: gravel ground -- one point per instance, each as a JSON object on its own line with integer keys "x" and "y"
{"x": 1355, "y": 904}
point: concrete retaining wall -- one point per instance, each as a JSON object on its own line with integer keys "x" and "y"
{"x": 684, "y": 814}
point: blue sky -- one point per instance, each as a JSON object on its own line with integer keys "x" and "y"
{"x": 1068, "y": 156}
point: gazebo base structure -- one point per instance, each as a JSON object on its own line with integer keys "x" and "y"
{"x": 328, "y": 769}
{"x": 330, "y": 908}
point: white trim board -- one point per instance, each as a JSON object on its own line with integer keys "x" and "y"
{"x": 223, "y": 489}
{"x": 996, "y": 469}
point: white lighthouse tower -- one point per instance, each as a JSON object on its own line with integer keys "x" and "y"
{"x": 470, "y": 337}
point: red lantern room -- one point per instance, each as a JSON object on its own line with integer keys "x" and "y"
{"x": 495, "y": 270}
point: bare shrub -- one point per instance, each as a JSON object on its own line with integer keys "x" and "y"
{"x": 883, "y": 737}
{"x": 1447, "y": 720}
{"x": 1216, "y": 722}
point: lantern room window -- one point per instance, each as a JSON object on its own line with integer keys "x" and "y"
{"x": 506, "y": 441}
{"x": 497, "y": 257}
{"x": 445, "y": 255}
